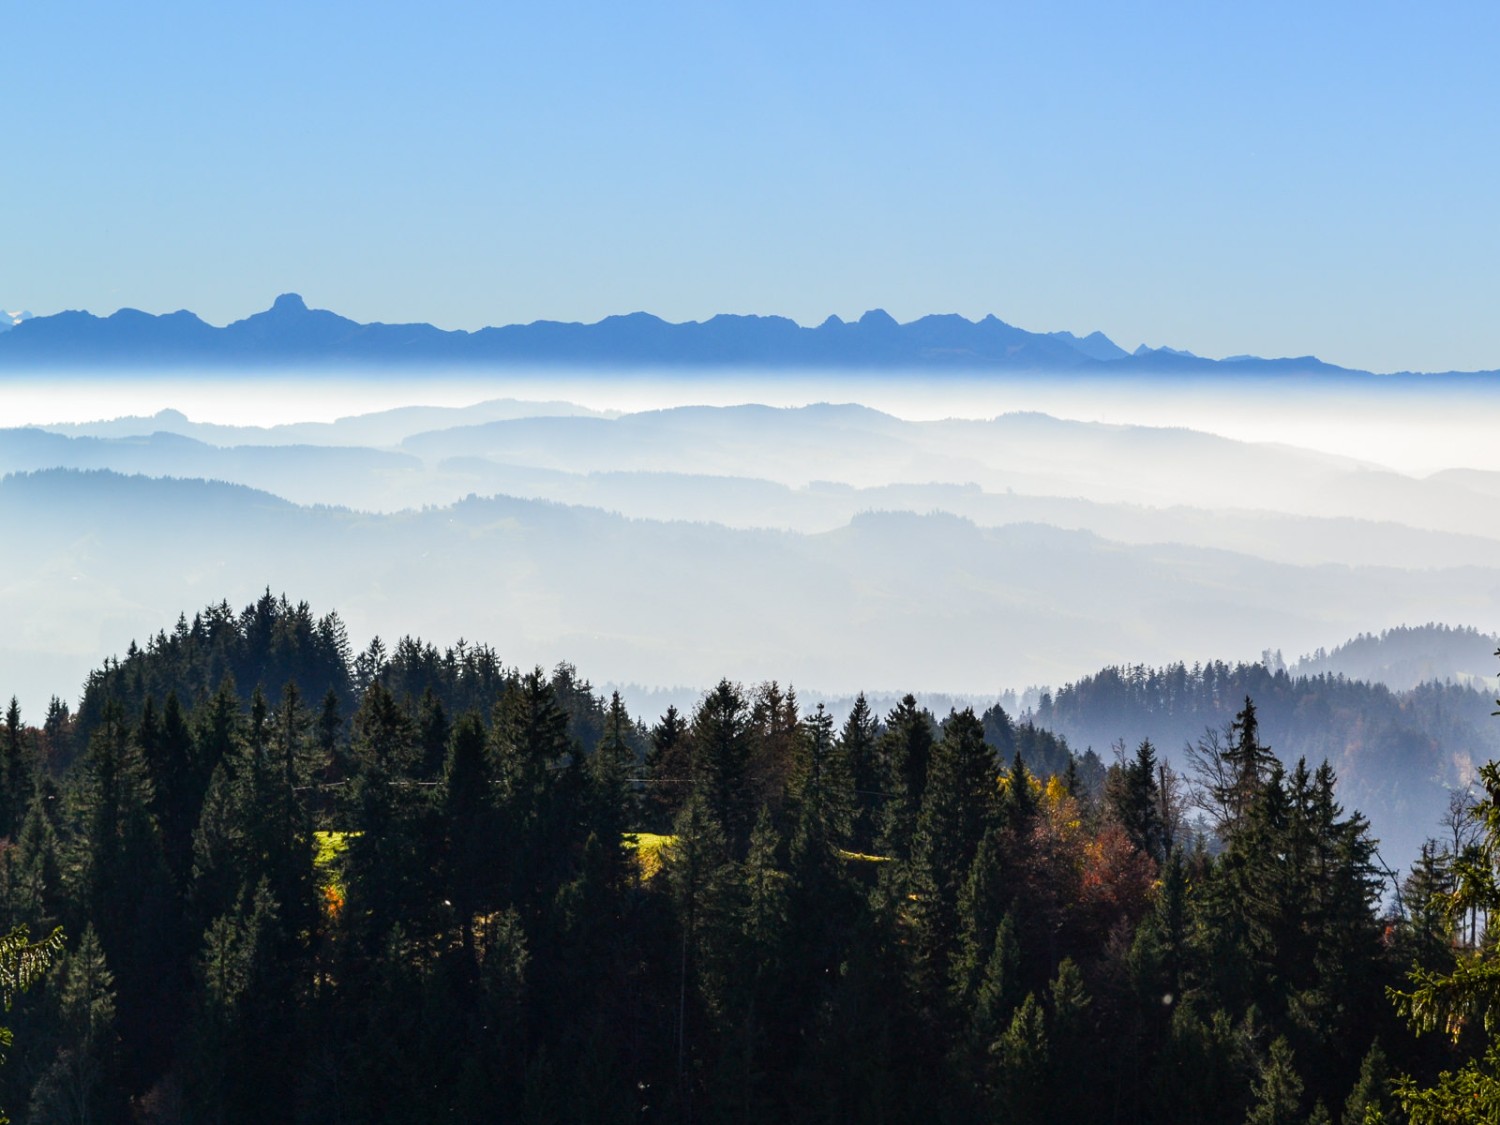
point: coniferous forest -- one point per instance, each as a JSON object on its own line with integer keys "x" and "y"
{"x": 296, "y": 883}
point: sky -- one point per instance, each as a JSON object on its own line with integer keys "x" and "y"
{"x": 1275, "y": 179}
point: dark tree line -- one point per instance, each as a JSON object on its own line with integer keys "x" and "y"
{"x": 304, "y": 885}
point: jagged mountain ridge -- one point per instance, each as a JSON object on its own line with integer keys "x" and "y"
{"x": 290, "y": 332}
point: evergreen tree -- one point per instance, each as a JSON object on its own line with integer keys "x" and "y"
{"x": 822, "y": 784}
{"x": 79, "y": 1084}
{"x": 1072, "y": 1043}
{"x": 469, "y": 819}
{"x": 859, "y": 743}
{"x": 669, "y": 766}
{"x": 390, "y": 851}
{"x": 18, "y": 765}
{"x": 906, "y": 750}
{"x": 1246, "y": 766}
{"x": 610, "y": 768}
{"x": 699, "y": 877}
{"x": 1278, "y": 1092}
{"x": 57, "y": 731}
{"x": 236, "y": 1032}
{"x": 1429, "y": 936}
{"x": 1369, "y": 1101}
{"x": 542, "y": 792}
{"x": 1019, "y": 807}
{"x": 34, "y": 884}
{"x": 1466, "y": 996}
{"x": 775, "y": 735}
{"x": 1136, "y": 801}
{"x": 174, "y": 773}
{"x": 1022, "y": 1060}
{"x": 123, "y": 886}
{"x": 960, "y": 805}
{"x": 982, "y": 903}
{"x": 432, "y": 730}
{"x": 998, "y": 991}
{"x": 721, "y": 757}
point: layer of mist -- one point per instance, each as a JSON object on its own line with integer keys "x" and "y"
{"x": 963, "y": 537}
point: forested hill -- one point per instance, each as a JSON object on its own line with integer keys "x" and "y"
{"x": 1406, "y": 656}
{"x": 417, "y": 884}
{"x": 1397, "y": 753}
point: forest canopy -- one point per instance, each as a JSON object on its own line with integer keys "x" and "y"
{"x": 301, "y": 883}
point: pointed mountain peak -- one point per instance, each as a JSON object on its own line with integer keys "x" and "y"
{"x": 877, "y": 318}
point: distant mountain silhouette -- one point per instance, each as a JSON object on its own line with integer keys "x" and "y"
{"x": 291, "y": 333}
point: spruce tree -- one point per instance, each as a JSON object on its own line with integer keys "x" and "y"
{"x": 469, "y": 821}
{"x": 174, "y": 776}
{"x": 669, "y": 767}
{"x": 81, "y": 1081}
{"x": 1278, "y": 1091}
{"x": 1369, "y": 1100}
{"x": 905, "y": 751}
{"x": 859, "y": 742}
{"x": 721, "y": 758}
{"x": 1136, "y": 801}
{"x": 960, "y": 805}
{"x": 18, "y": 766}
{"x": 1022, "y": 1056}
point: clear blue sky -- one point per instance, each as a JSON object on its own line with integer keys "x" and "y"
{"x": 1270, "y": 178}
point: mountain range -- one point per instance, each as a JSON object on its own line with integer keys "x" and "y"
{"x": 291, "y": 333}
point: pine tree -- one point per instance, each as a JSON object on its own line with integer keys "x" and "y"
{"x": 699, "y": 876}
{"x": 220, "y": 729}
{"x": 859, "y": 743}
{"x": 57, "y": 730}
{"x": 287, "y": 856}
{"x": 18, "y": 766}
{"x": 542, "y": 792}
{"x": 1469, "y": 995}
{"x": 982, "y": 903}
{"x": 906, "y": 750}
{"x": 670, "y": 769}
{"x": 1370, "y": 1098}
{"x": 390, "y": 853}
{"x": 1278, "y": 1092}
{"x": 432, "y": 731}
{"x": 1136, "y": 800}
{"x": 34, "y": 869}
{"x": 1019, "y": 807}
{"x": 1247, "y": 764}
{"x": 1071, "y": 1044}
{"x": 961, "y": 804}
{"x": 822, "y": 784}
{"x": 174, "y": 774}
{"x": 123, "y": 885}
{"x": 775, "y": 734}
{"x": 79, "y": 1083}
{"x": 998, "y": 989}
{"x": 1022, "y": 1058}
{"x": 612, "y": 797}
{"x": 1429, "y": 934}
{"x": 233, "y": 1073}
{"x": 721, "y": 758}
{"x": 469, "y": 819}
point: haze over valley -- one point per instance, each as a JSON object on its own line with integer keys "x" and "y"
{"x": 979, "y": 535}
